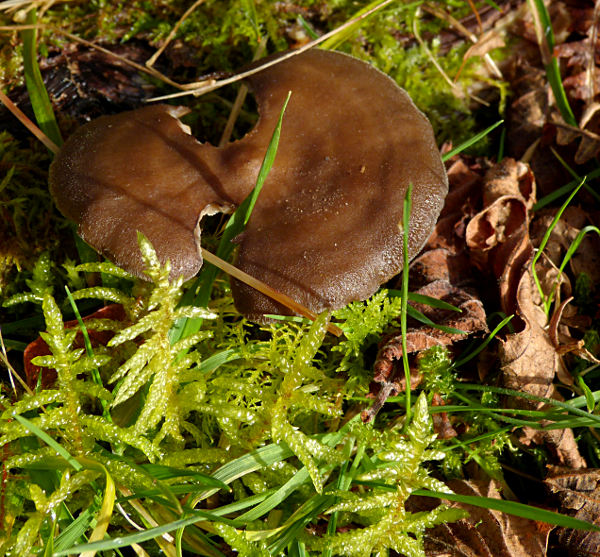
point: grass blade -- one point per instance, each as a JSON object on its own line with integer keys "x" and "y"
{"x": 547, "y": 43}
{"x": 489, "y": 338}
{"x": 404, "y": 308}
{"x": 422, "y": 318}
{"x": 40, "y": 101}
{"x": 471, "y": 141}
{"x": 513, "y": 508}
{"x": 235, "y": 226}
{"x": 544, "y": 242}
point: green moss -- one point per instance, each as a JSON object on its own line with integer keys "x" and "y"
{"x": 438, "y": 375}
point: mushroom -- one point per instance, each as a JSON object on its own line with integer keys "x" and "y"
{"x": 327, "y": 227}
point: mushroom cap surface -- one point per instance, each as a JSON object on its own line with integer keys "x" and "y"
{"x": 327, "y": 227}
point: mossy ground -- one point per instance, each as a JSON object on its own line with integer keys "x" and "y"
{"x": 203, "y": 406}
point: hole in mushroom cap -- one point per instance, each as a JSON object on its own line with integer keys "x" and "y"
{"x": 208, "y": 115}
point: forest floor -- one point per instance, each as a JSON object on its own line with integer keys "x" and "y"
{"x": 164, "y": 421}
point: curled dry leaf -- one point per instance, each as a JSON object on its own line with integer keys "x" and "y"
{"x": 529, "y": 363}
{"x": 497, "y": 236}
{"x": 578, "y": 494}
{"x": 499, "y": 241}
{"x": 485, "y": 532}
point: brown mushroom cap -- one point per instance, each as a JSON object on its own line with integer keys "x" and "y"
{"x": 327, "y": 227}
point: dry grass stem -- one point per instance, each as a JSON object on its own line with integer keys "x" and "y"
{"x": 200, "y": 88}
{"x": 265, "y": 289}
{"x": 240, "y": 98}
{"x": 151, "y": 61}
{"x": 22, "y": 117}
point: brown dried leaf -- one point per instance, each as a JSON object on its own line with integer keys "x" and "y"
{"x": 528, "y": 359}
{"x": 509, "y": 191}
{"x": 484, "y": 533}
{"x": 529, "y": 363}
{"x": 387, "y": 371}
{"x": 497, "y": 236}
{"x": 578, "y": 494}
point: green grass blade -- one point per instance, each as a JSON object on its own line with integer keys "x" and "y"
{"x": 488, "y": 339}
{"x": 513, "y": 508}
{"x": 75, "y": 531}
{"x": 160, "y": 472}
{"x": 276, "y": 498}
{"x": 49, "y": 549}
{"x": 423, "y": 299}
{"x": 265, "y": 456}
{"x": 407, "y": 206}
{"x": 552, "y": 69}
{"x": 471, "y": 141}
{"x": 546, "y": 302}
{"x": 235, "y": 225}
{"x": 95, "y": 372}
{"x": 146, "y": 535}
{"x": 567, "y": 406}
{"x": 571, "y": 251}
{"x": 422, "y": 318}
{"x": 431, "y": 301}
{"x": 240, "y": 218}
{"x": 310, "y": 511}
{"x": 553, "y": 196}
{"x": 43, "y": 436}
{"x": 40, "y": 101}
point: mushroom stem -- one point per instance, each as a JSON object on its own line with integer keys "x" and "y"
{"x": 265, "y": 289}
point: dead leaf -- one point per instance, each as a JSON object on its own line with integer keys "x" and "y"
{"x": 387, "y": 372}
{"x": 508, "y": 193}
{"x": 441, "y": 422}
{"x": 527, "y": 358}
{"x": 529, "y": 363}
{"x": 578, "y": 495}
{"x": 498, "y": 235}
{"x": 485, "y": 532}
